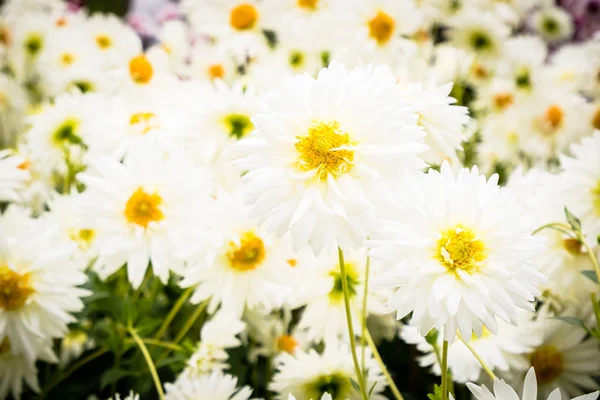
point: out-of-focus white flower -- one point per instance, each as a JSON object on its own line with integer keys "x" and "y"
{"x": 13, "y": 175}
{"x": 216, "y": 386}
{"x": 552, "y": 23}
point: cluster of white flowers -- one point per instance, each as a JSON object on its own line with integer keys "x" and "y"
{"x": 299, "y": 166}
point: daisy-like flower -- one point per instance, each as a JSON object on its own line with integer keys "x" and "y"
{"x": 503, "y": 391}
{"x": 240, "y": 259}
{"x": 443, "y": 122}
{"x": 552, "y": 23}
{"x": 216, "y": 386}
{"x": 500, "y": 352}
{"x": 216, "y": 336}
{"x": 460, "y": 254}
{"x": 13, "y": 175}
{"x": 309, "y": 375}
{"x": 140, "y": 210}
{"x": 211, "y": 62}
{"x": 480, "y": 33}
{"x": 565, "y": 359}
{"x": 325, "y": 151}
{"x": 376, "y": 28}
{"x": 580, "y": 183}
{"x": 112, "y": 39}
{"x": 324, "y": 316}
{"x": 39, "y": 288}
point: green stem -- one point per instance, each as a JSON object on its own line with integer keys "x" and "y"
{"x": 386, "y": 373}
{"x": 74, "y": 368}
{"x": 190, "y": 322}
{"x": 159, "y": 343}
{"x": 176, "y": 307}
{"x": 481, "y": 362}
{"x": 445, "y": 370}
{"x": 151, "y": 367}
{"x": 364, "y": 315}
{"x": 359, "y": 375}
{"x": 591, "y": 254}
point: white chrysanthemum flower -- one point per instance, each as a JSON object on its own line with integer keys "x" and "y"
{"x": 111, "y": 38}
{"x": 325, "y": 152}
{"x": 566, "y": 358}
{"x": 580, "y": 183}
{"x": 570, "y": 68}
{"x": 502, "y": 391}
{"x": 481, "y": 33}
{"x": 443, "y": 122}
{"x": 321, "y": 292}
{"x": 553, "y": 24}
{"x": 142, "y": 210}
{"x": 216, "y": 386}
{"x": 309, "y": 375}
{"x": 16, "y": 368}
{"x": 13, "y": 175}
{"x": 130, "y": 396}
{"x": 522, "y": 62}
{"x": 500, "y": 352}
{"x": 461, "y": 252}
{"x": 240, "y": 259}
{"x": 58, "y": 133}
{"x": 13, "y": 106}
{"x": 210, "y": 62}
{"x": 216, "y": 336}
{"x": 40, "y": 288}
{"x": 374, "y": 29}
{"x": 73, "y": 345}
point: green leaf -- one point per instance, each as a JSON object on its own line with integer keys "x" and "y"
{"x": 372, "y": 388}
{"x": 573, "y": 220}
{"x": 437, "y": 393}
{"x": 591, "y": 275}
{"x": 355, "y": 385}
{"x": 113, "y": 375}
{"x": 571, "y": 320}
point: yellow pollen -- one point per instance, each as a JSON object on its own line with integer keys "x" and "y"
{"x": 15, "y": 289}
{"x": 596, "y": 199}
{"x": 421, "y": 36}
{"x": 381, "y": 27}
{"x": 61, "y": 22}
{"x": 83, "y": 237}
{"x": 248, "y": 254}
{"x": 480, "y": 71}
{"x": 292, "y": 262}
{"x": 596, "y": 119}
{"x": 573, "y": 246}
{"x": 143, "y": 120}
{"x": 308, "y": 4}
{"x": 143, "y": 208}
{"x": 503, "y": 100}
{"x": 140, "y": 69}
{"x": 460, "y": 248}
{"x": 324, "y": 150}
{"x": 103, "y": 41}
{"x": 554, "y": 116}
{"x": 67, "y": 59}
{"x": 216, "y": 71}
{"x": 5, "y": 36}
{"x": 243, "y": 17}
{"x": 548, "y": 364}
{"x": 5, "y": 346}
{"x": 25, "y": 165}
{"x": 287, "y": 343}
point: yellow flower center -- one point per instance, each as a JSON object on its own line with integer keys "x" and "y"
{"x": 5, "y": 346}
{"x": 83, "y": 237}
{"x": 573, "y": 246}
{"x": 287, "y": 343}
{"x": 15, "y": 289}
{"x": 325, "y": 150}
{"x": 216, "y": 71}
{"x": 336, "y": 294}
{"x": 140, "y": 69}
{"x": 503, "y": 100}
{"x": 143, "y": 120}
{"x": 243, "y": 17}
{"x": 143, "y": 208}
{"x": 553, "y": 118}
{"x": 34, "y": 44}
{"x": 67, "y": 133}
{"x": 67, "y": 59}
{"x": 596, "y": 119}
{"x": 61, "y": 22}
{"x": 238, "y": 125}
{"x": 381, "y": 27}
{"x": 596, "y": 198}
{"x": 103, "y": 41}
{"x": 548, "y": 363}
{"x": 308, "y": 4}
{"x": 248, "y": 254}
{"x": 5, "y": 36}
{"x": 460, "y": 248}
